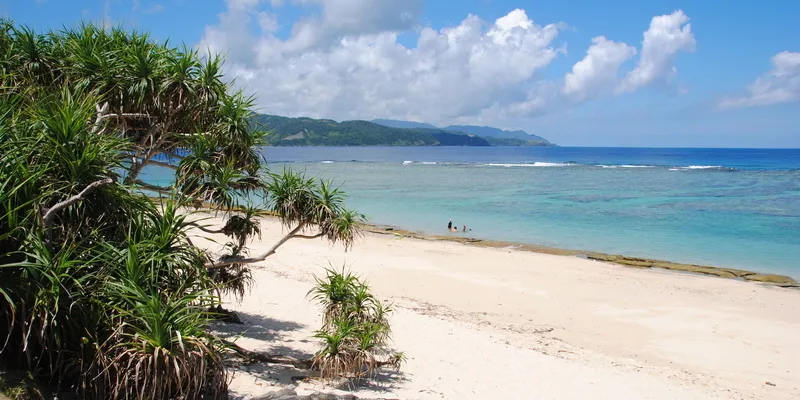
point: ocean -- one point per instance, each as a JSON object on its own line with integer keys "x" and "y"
{"x": 736, "y": 208}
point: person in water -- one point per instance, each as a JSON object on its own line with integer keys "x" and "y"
{"x": 465, "y": 228}
{"x": 450, "y": 225}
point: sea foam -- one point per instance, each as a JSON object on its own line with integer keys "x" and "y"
{"x": 536, "y": 164}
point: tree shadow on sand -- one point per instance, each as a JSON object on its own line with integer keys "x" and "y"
{"x": 257, "y": 327}
{"x": 383, "y": 381}
{"x": 275, "y": 334}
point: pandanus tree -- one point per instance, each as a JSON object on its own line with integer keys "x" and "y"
{"x": 101, "y": 288}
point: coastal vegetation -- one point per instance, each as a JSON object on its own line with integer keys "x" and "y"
{"x": 102, "y": 292}
{"x": 285, "y": 131}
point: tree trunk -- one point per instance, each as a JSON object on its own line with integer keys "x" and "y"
{"x": 240, "y": 260}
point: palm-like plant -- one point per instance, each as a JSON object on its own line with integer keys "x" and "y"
{"x": 355, "y": 328}
{"x": 335, "y": 293}
{"x": 97, "y": 283}
{"x": 304, "y": 204}
{"x": 101, "y": 289}
{"x": 161, "y": 350}
{"x": 338, "y": 356}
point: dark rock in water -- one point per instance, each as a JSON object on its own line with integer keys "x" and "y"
{"x": 290, "y": 394}
{"x": 731, "y": 273}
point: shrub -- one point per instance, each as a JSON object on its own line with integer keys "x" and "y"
{"x": 355, "y": 328}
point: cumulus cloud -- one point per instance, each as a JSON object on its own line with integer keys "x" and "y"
{"x": 779, "y": 85}
{"x": 598, "y": 71}
{"x": 455, "y": 71}
{"x": 667, "y": 35}
{"x": 345, "y": 61}
{"x": 351, "y": 17}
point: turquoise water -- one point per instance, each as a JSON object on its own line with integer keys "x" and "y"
{"x": 734, "y": 208}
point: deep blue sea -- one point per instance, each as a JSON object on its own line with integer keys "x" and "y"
{"x": 723, "y": 207}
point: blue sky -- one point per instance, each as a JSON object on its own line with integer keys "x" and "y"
{"x": 711, "y": 74}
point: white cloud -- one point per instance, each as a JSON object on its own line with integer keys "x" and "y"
{"x": 154, "y": 9}
{"x": 267, "y": 22}
{"x": 456, "y": 71}
{"x": 344, "y": 61}
{"x": 779, "y": 85}
{"x": 598, "y": 71}
{"x": 667, "y": 35}
{"x": 351, "y": 17}
{"x": 240, "y": 5}
{"x": 231, "y": 36}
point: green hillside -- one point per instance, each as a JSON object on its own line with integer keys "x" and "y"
{"x": 303, "y": 131}
{"x": 488, "y": 131}
{"x": 285, "y": 131}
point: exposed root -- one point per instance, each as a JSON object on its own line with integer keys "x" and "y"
{"x": 221, "y": 314}
{"x": 267, "y": 358}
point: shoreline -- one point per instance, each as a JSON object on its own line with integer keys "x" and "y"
{"x": 778, "y": 280}
{"x": 627, "y": 261}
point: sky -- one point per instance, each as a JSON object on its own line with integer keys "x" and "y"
{"x": 711, "y": 73}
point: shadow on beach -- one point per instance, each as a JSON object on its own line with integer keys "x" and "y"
{"x": 274, "y": 336}
{"x": 256, "y": 327}
{"x": 383, "y": 381}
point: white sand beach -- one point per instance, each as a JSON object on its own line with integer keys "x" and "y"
{"x": 487, "y": 323}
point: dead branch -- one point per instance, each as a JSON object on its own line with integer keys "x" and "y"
{"x": 160, "y": 164}
{"x": 160, "y": 189}
{"x": 171, "y": 154}
{"x": 51, "y": 213}
{"x": 101, "y": 111}
{"x": 319, "y": 235}
{"x": 204, "y": 229}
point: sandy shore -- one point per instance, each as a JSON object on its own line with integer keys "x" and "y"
{"x": 483, "y": 322}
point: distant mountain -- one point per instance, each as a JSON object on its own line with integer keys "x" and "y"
{"x": 521, "y": 138}
{"x": 394, "y": 123}
{"x": 487, "y": 131}
{"x": 446, "y": 138}
{"x": 285, "y": 131}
